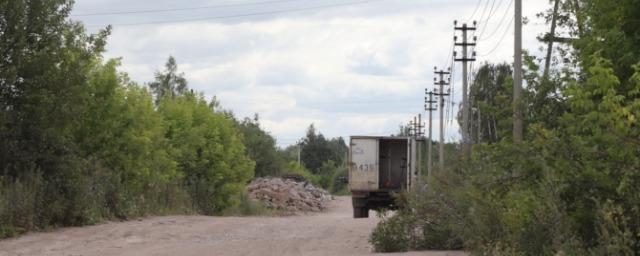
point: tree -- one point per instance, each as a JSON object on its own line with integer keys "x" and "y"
{"x": 169, "y": 83}
{"x": 316, "y": 149}
{"x": 261, "y": 147}
{"x": 209, "y": 151}
{"x": 45, "y": 65}
{"x": 490, "y": 96}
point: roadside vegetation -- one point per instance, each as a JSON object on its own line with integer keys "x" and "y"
{"x": 572, "y": 187}
{"x": 80, "y": 142}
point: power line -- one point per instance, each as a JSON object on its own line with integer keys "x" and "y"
{"x": 450, "y": 56}
{"x": 247, "y": 14}
{"x": 179, "y": 9}
{"x": 486, "y": 22}
{"x": 474, "y": 11}
{"x": 506, "y": 13}
{"x": 501, "y": 39}
{"x": 345, "y": 102}
{"x": 484, "y": 10}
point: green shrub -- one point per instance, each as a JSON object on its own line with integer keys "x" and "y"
{"x": 293, "y": 168}
{"x": 340, "y": 182}
{"x": 393, "y": 234}
{"x": 249, "y": 207}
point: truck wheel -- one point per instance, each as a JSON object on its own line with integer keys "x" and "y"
{"x": 365, "y": 212}
{"x": 357, "y": 212}
{"x": 360, "y": 212}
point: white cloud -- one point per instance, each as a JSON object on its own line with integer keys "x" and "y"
{"x": 350, "y": 70}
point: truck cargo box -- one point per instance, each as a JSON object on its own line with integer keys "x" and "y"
{"x": 380, "y": 166}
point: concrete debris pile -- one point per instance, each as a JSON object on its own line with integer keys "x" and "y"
{"x": 289, "y": 195}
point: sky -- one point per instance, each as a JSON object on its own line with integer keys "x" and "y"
{"x": 350, "y": 67}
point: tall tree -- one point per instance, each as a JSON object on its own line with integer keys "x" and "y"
{"x": 316, "y": 149}
{"x": 490, "y": 95}
{"x": 169, "y": 83}
{"x": 261, "y": 147}
{"x": 43, "y": 83}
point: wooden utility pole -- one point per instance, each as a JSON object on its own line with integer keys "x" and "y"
{"x": 517, "y": 76}
{"x": 466, "y": 139}
{"x": 428, "y": 106}
{"x": 441, "y": 93}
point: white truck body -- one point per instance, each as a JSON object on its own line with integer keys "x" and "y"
{"x": 380, "y": 166}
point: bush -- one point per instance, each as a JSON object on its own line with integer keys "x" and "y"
{"x": 293, "y": 168}
{"x": 394, "y": 233}
{"x": 340, "y": 182}
{"x": 247, "y": 207}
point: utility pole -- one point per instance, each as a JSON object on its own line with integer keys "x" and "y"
{"x": 441, "y": 93}
{"x": 428, "y": 106}
{"x": 554, "y": 20}
{"x": 411, "y": 128}
{"x": 420, "y": 126}
{"x": 517, "y": 76}
{"x": 479, "y": 124}
{"x": 466, "y": 139}
{"x": 416, "y": 133}
{"x": 419, "y": 136}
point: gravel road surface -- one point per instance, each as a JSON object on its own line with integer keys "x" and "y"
{"x": 330, "y": 233}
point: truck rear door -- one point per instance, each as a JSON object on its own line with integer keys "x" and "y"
{"x": 363, "y": 170}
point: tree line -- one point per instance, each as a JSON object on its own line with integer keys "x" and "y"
{"x": 80, "y": 142}
{"x": 571, "y": 188}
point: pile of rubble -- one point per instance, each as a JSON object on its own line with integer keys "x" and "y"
{"x": 289, "y": 194}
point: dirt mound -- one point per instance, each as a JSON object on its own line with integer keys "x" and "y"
{"x": 289, "y": 195}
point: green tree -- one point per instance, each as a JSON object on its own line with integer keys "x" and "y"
{"x": 169, "y": 83}
{"x": 208, "y": 150}
{"x": 316, "y": 149}
{"x": 44, "y": 70}
{"x": 261, "y": 148}
{"x": 490, "y": 96}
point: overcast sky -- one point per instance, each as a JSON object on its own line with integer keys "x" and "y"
{"x": 351, "y": 67}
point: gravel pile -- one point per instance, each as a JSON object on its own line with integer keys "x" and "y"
{"x": 289, "y": 195}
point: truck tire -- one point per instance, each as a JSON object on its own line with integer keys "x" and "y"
{"x": 360, "y": 209}
{"x": 360, "y": 212}
{"x": 365, "y": 212}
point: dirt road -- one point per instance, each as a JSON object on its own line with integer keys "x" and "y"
{"x": 329, "y": 233}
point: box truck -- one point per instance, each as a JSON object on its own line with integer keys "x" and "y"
{"x": 380, "y": 167}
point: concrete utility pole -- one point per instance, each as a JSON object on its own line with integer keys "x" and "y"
{"x": 517, "y": 76}
{"x": 428, "y": 106}
{"x": 412, "y": 128}
{"x": 419, "y": 135}
{"x": 441, "y": 93}
{"x": 466, "y": 139}
{"x": 554, "y": 20}
{"x": 416, "y": 133}
{"x": 479, "y": 124}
